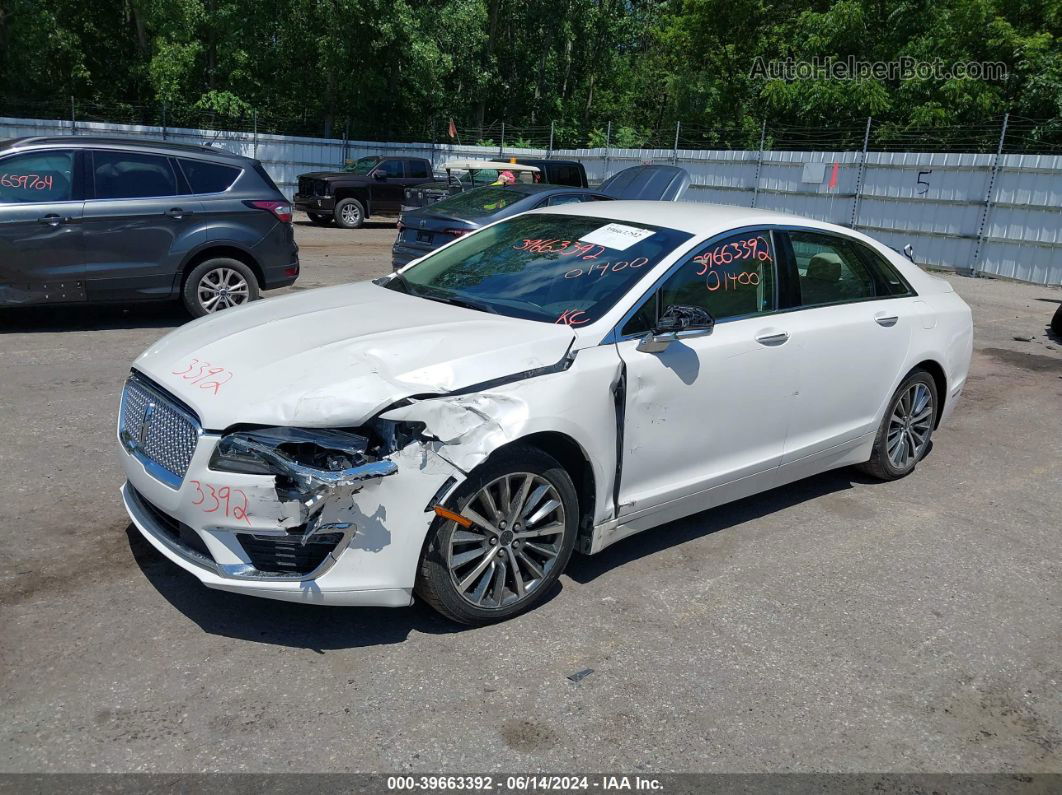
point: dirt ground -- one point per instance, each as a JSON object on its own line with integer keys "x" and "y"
{"x": 837, "y": 624}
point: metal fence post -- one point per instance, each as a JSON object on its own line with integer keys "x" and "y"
{"x": 860, "y": 176}
{"x": 759, "y": 162}
{"x": 674, "y": 149}
{"x": 346, "y": 140}
{"x": 978, "y": 251}
{"x": 164, "y": 120}
{"x": 73, "y": 117}
{"x": 254, "y": 146}
{"x": 501, "y": 146}
{"x": 549, "y": 151}
{"x": 608, "y": 142}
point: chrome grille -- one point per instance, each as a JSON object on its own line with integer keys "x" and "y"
{"x": 158, "y": 431}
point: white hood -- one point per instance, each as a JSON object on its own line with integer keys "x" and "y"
{"x": 336, "y": 356}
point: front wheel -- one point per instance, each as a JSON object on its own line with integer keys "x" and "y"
{"x": 507, "y": 539}
{"x": 904, "y": 434}
{"x": 350, "y": 214}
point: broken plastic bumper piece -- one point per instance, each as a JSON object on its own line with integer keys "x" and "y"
{"x": 313, "y": 460}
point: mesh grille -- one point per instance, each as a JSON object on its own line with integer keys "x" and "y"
{"x": 157, "y": 429}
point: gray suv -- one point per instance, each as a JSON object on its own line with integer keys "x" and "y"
{"x": 111, "y": 219}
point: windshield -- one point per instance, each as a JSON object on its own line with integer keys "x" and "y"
{"x": 477, "y": 203}
{"x": 363, "y": 165}
{"x": 552, "y": 268}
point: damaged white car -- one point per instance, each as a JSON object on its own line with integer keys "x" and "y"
{"x": 553, "y": 382}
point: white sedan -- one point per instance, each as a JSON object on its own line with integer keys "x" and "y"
{"x": 553, "y": 382}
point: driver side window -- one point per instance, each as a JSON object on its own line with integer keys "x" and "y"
{"x": 730, "y": 277}
{"x": 392, "y": 168}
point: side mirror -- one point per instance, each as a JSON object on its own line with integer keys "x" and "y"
{"x": 379, "y": 174}
{"x": 908, "y": 251}
{"x": 677, "y": 323}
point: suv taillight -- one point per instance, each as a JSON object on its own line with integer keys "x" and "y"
{"x": 282, "y": 210}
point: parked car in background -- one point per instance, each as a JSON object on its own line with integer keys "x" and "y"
{"x": 1056, "y": 322}
{"x": 86, "y": 219}
{"x": 424, "y": 230}
{"x": 554, "y": 382}
{"x": 462, "y": 175}
{"x": 375, "y": 186}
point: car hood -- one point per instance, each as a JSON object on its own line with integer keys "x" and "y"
{"x": 337, "y": 356}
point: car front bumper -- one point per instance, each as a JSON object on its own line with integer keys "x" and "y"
{"x": 314, "y": 204}
{"x": 235, "y": 533}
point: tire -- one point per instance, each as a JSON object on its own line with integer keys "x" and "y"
{"x": 228, "y": 280}
{"x": 906, "y": 430}
{"x": 1056, "y": 322}
{"x": 318, "y": 219}
{"x": 350, "y": 214}
{"x": 454, "y": 553}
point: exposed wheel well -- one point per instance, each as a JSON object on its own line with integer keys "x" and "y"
{"x": 941, "y": 380}
{"x": 222, "y": 251}
{"x": 570, "y": 456}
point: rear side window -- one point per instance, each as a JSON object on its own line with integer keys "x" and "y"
{"x": 128, "y": 175}
{"x": 831, "y": 271}
{"x": 415, "y": 169}
{"x": 37, "y": 177}
{"x": 888, "y": 279}
{"x": 567, "y": 175}
{"x": 204, "y": 177}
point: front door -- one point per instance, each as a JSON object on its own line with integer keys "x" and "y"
{"x": 388, "y": 192}
{"x": 134, "y": 223}
{"x": 708, "y": 409}
{"x": 41, "y": 249}
{"x": 851, "y": 334}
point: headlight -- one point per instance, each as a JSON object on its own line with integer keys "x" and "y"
{"x": 312, "y": 458}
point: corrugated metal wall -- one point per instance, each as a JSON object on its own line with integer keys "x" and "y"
{"x": 1000, "y": 216}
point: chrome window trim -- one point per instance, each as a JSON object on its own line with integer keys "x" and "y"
{"x": 614, "y": 336}
{"x": 132, "y": 446}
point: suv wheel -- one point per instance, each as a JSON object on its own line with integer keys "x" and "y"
{"x": 218, "y": 284}
{"x": 350, "y": 214}
{"x": 320, "y": 220}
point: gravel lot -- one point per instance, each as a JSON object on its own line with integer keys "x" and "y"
{"x": 836, "y": 624}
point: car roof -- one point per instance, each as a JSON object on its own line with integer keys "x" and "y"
{"x": 693, "y": 217}
{"x": 124, "y": 142}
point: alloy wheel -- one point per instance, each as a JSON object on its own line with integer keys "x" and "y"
{"x": 910, "y": 425}
{"x": 222, "y": 288}
{"x": 513, "y": 541}
{"x": 351, "y": 214}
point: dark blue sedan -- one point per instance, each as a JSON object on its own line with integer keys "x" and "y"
{"x": 426, "y": 229}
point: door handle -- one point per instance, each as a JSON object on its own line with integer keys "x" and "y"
{"x": 177, "y": 212}
{"x": 778, "y": 338}
{"x": 885, "y": 320}
{"x": 52, "y": 219}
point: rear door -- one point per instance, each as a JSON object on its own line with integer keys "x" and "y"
{"x": 851, "y": 332}
{"x": 387, "y": 193}
{"x": 138, "y": 225}
{"x": 41, "y": 249}
{"x": 651, "y": 183}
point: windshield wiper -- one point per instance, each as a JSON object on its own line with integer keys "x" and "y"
{"x": 455, "y": 301}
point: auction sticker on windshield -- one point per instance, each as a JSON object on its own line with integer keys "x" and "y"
{"x": 619, "y": 237}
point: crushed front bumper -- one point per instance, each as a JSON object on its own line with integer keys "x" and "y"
{"x": 352, "y": 545}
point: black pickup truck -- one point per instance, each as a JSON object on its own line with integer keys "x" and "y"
{"x": 376, "y": 185}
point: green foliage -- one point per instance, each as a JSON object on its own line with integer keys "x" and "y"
{"x": 485, "y": 142}
{"x": 380, "y": 66}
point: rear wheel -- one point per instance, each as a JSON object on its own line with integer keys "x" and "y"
{"x": 905, "y": 431}
{"x": 350, "y": 214}
{"x": 508, "y": 538}
{"x": 321, "y": 220}
{"x": 218, "y": 284}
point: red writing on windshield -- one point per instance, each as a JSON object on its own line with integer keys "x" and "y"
{"x": 601, "y": 268}
{"x": 27, "y": 181}
{"x": 730, "y": 281}
{"x": 565, "y": 248}
{"x": 753, "y": 248}
{"x": 573, "y": 317}
{"x": 203, "y": 375}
